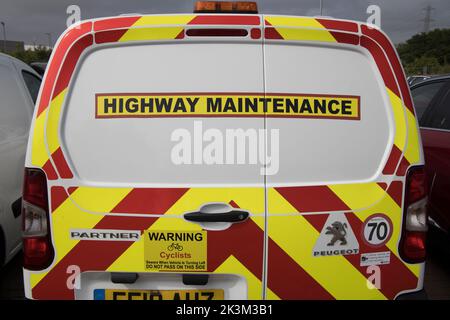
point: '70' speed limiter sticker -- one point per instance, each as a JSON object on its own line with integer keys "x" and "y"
{"x": 377, "y": 230}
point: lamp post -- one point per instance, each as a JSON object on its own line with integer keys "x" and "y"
{"x": 4, "y": 35}
{"x": 321, "y": 7}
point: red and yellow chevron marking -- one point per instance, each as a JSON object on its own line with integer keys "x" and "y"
{"x": 297, "y": 234}
{"x": 238, "y": 248}
{"x": 226, "y": 252}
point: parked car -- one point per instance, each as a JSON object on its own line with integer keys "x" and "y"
{"x": 19, "y": 87}
{"x": 432, "y": 103}
{"x": 412, "y": 80}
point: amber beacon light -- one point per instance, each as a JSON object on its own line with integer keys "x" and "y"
{"x": 225, "y": 7}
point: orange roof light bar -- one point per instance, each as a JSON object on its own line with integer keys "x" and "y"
{"x": 225, "y": 7}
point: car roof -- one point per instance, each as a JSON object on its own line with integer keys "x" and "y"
{"x": 432, "y": 79}
{"x": 19, "y": 62}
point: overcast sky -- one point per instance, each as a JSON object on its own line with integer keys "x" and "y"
{"x": 30, "y": 20}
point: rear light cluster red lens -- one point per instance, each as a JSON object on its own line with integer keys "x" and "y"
{"x": 37, "y": 245}
{"x": 412, "y": 244}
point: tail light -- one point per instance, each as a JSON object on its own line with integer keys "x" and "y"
{"x": 412, "y": 243}
{"x": 225, "y": 7}
{"x": 37, "y": 245}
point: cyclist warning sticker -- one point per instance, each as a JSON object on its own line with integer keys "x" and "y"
{"x": 175, "y": 251}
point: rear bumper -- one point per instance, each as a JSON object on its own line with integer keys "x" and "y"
{"x": 418, "y": 295}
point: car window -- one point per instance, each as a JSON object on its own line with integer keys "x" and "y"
{"x": 33, "y": 84}
{"x": 423, "y": 96}
{"x": 14, "y": 116}
{"x": 440, "y": 119}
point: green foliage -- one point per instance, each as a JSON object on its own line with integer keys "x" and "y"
{"x": 426, "y": 52}
{"x": 39, "y": 54}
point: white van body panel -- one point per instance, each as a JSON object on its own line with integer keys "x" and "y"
{"x": 166, "y": 71}
{"x": 320, "y": 158}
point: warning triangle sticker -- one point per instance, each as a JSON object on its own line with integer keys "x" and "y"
{"x": 336, "y": 238}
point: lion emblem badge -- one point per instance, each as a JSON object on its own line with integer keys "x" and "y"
{"x": 338, "y": 230}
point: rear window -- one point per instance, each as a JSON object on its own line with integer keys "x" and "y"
{"x": 33, "y": 84}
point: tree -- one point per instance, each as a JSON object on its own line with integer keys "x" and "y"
{"x": 39, "y": 54}
{"x": 429, "y": 52}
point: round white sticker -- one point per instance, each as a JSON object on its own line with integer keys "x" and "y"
{"x": 377, "y": 230}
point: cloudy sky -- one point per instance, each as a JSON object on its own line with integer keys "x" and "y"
{"x": 30, "y": 20}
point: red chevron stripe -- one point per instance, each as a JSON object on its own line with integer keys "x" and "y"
{"x": 393, "y": 160}
{"x": 395, "y": 277}
{"x": 245, "y": 241}
{"x": 347, "y": 38}
{"x": 61, "y": 164}
{"x": 272, "y": 33}
{"x": 109, "y": 36}
{"x": 89, "y": 256}
{"x": 66, "y": 41}
{"x": 384, "y": 42}
{"x": 312, "y": 199}
{"x": 149, "y": 200}
{"x": 382, "y": 63}
{"x": 70, "y": 62}
{"x": 114, "y": 23}
{"x": 395, "y": 191}
{"x": 288, "y": 280}
{"x": 92, "y": 255}
{"x": 403, "y": 167}
{"x": 58, "y": 196}
{"x": 242, "y": 240}
{"x": 50, "y": 170}
{"x": 339, "y": 25}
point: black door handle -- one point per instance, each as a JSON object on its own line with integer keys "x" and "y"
{"x": 234, "y": 215}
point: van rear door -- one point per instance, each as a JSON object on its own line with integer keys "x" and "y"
{"x": 141, "y": 154}
{"x": 334, "y": 207}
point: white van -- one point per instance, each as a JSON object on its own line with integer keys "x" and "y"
{"x": 224, "y": 156}
{"x": 19, "y": 86}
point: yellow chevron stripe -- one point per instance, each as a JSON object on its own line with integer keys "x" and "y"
{"x": 300, "y": 29}
{"x": 68, "y": 216}
{"x": 387, "y": 206}
{"x": 143, "y": 34}
{"x": 132, "y": 258}
{"x": 39, "y": 154}
{"x": 53, "y": 121}
{"x": 399, "y": 119}
{"x": 412, "y": 153}
{"x": 297, "y": 237}
{"x": 361, "y": 194}
{"x": 99, "y": 199}
{"x": 254, "y": 285}
{"x": 305, "y": 35}
{"x": 297, "y": 22}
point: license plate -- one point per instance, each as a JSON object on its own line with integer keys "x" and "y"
{"x": 119, "y": 294}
